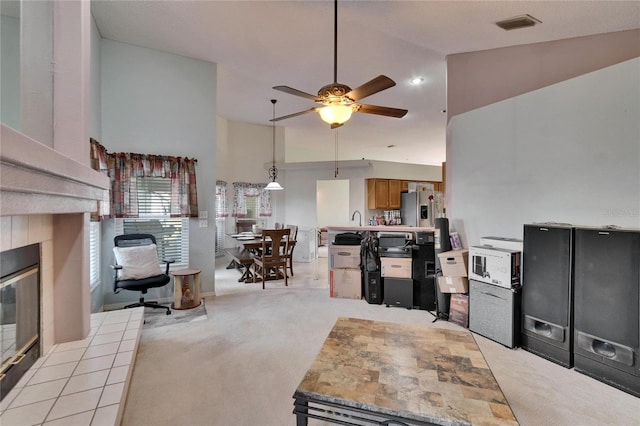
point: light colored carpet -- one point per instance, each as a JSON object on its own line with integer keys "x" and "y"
{"x": 158, "y": 317}
{"x": 241, "y": 365}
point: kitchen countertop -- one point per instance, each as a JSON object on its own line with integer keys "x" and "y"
{"x": 417, "y": 373}
{"x": 379, "y": 228}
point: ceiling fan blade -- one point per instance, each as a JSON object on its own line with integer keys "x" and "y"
{"x": 381, "y": 110}
{"x": 295, "y": 114}
{"x": 376, "y": 85}
{"x": 296, "y": 92}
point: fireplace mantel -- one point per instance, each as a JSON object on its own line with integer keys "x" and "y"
{"x": 35, "y": 179}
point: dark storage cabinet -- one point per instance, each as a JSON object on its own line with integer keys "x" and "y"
{"x": 547, "y": 292}
{"x": 607, "y": 304}
{"x": 494, "y": 312}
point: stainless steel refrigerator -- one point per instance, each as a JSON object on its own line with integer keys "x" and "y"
{"x": 416, "y": 209}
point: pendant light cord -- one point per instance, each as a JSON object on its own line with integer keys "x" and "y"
{"x": 273, "y": 128}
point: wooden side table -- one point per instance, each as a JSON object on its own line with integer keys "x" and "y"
{"x": 186, "y": 295}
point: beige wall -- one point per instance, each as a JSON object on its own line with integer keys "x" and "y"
{"x": 476, "y": 79}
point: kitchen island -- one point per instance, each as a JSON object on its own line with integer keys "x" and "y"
{"x": 377, "y": 228}
{"x": 333, "y": 230}
{"x": 344, "y": 261}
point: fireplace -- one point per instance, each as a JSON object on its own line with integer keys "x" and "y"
{"x": 19, "y": 313}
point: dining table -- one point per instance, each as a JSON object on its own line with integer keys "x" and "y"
{"x": 248, "y": 243}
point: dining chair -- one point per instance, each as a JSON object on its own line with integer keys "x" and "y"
{"x": 293, "y": 237}
{"x": 272, "y": 261}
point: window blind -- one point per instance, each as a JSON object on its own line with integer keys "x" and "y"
{"x": 154, "y": 207}
{"x": 94, "y": 253}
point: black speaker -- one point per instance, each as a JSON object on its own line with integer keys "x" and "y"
{"x": 373, "y": 287}
{"x": 423, "y": 269}
{"x": 398, "y": 292}
{"x": 547, "y": 292}
{"x": 442, "y": 244}
{"x": 607, "y": 321}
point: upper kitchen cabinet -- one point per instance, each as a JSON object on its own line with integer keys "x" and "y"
{"x": 383, "y": 193}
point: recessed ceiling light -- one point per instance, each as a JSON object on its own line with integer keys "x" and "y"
{"x": 417, "y": 80}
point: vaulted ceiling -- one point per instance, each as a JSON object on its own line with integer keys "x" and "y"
{"x": 261, "y": 44}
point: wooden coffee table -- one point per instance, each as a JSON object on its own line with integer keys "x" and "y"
{"x": 372, "y": 372}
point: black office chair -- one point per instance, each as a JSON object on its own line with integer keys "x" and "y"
{"x": 137, "y": 267}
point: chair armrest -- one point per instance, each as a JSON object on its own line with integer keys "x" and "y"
{"x": 168, "y": 262}
{"x": 116, "y": 268}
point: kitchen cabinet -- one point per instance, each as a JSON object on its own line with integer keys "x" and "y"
{"x": 395, "y": 187}
{"x": 383, "y": 193}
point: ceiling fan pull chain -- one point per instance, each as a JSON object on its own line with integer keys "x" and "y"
{"x": 335, "y": 175}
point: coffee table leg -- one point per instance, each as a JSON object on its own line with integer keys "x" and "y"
{"x": 301, "y": 410}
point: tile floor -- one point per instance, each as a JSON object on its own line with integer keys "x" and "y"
{"x": 79, "y": 383}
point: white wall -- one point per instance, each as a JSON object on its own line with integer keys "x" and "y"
{"x": 332, "y": 203}
{"x": 567, "y": 153}
{"x": 95, "y": 92}
{"x": 159, "y": 103}
{"x": 10, "y": 71}
{"x": 244, "y": 154}
{"x": 389, "y": 170}
{"x": 300, "y": 188}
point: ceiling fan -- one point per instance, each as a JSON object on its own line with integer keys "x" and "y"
{"x": 339, "y": 100}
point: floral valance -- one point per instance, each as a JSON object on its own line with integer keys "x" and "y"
{"x": 123, "y": 168}
{"x": 242, "y": 190}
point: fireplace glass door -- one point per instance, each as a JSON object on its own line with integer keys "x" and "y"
{"x": 19, "y": 315}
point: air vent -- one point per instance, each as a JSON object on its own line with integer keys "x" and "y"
{"x": 522, "y": 21}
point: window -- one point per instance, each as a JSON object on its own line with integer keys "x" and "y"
{"x": 94, "y": 254}
{"x": 253, "y": 207}
{"x": 221, "y": 216}
{"x": 172, "y": 234}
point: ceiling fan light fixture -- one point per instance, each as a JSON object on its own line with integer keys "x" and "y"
{"x": 336, "y": 113}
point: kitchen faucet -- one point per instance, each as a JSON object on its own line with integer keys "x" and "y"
{"x": 353, "y": 217}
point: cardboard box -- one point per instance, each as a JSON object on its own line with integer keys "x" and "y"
{"x": 342, "y": 256}
{"x": 502, "y": 242}
{"x": 459, "y": 310}
{"x": 395, "y": 267}
{"x": 454, "y": 263}
{"x": 453, "y": 284}
{"x": 496, "y": 266}
{"x": 345, "y": 283}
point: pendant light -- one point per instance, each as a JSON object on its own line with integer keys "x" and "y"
{"x": 273, "y": 170}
